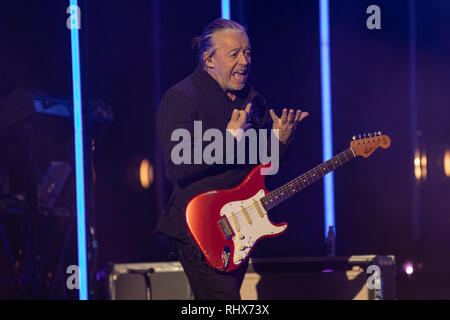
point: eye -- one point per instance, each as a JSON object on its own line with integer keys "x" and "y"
{"x": 235, "y": 54}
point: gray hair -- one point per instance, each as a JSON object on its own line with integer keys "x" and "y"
{"x": 204, "y": 42}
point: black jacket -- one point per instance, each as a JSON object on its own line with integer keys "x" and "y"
{"x": 200, "y": 97}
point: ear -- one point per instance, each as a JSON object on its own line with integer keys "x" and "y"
{"x": 207, "y": 58}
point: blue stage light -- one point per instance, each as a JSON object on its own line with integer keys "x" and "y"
{"x": 226, "y": 9}
{"x": 327, "y": 131}
{"x": 79, "y": 159}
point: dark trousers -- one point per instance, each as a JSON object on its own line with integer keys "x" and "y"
{"x": 207, "y": 283}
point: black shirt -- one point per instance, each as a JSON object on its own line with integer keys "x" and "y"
{"x": 200, "y": 98}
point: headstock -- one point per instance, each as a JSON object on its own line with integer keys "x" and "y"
{"x": 365, "y": 145}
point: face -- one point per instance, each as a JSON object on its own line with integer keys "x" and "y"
{"x": 230, "y": 62}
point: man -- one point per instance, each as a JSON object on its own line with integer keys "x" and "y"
{"x": 217, "y": 95}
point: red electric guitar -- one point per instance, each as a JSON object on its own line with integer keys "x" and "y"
{"x": 226, "y": 224}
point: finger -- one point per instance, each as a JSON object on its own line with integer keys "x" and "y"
{"x": 297, "y": 115}
{"x": 243, "y": 115}
{"x": 273, "y": 115}
{"x": 284, "y": 116}
{"x": 248, "y": 108}
{"x": 248, "y": 111}
{"x": 235, "y": 115}
{"x": 303, "y": 116}
{"x": 291, "y": 116}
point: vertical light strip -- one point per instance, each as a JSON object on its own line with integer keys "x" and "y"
{"x": 79, "y": 158}
{"x": 226, "y": 9}
{"x": 327, "y": 140}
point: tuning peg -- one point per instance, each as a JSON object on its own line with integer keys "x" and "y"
{"x": 354, "y": 138}
{"x": 379, "y": 133}
{"x": 359, "y": 136}
{"x": 369, "y": 135}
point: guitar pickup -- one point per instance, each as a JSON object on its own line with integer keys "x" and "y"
{"x": 257, "y": 208}
{"x": 246, "y": 215}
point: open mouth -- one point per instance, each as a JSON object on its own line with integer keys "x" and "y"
{"x": 240, "y": 75}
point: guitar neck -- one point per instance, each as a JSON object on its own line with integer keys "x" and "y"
{"x": 296, "y": 185}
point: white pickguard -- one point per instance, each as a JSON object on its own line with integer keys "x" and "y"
{"x": 248, "y": 225}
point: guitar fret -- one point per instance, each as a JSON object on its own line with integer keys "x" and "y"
{"x": 335, "y": 163}
{"x": 344, "y": 154}
{"x": 331, "y": 165}
{"x": 284, "y": 192}
{"x": 318, "y": 173}
{"x": 314, "y": 175}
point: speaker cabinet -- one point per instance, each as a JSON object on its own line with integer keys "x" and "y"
{"x": 362, "y": 277}
{"x": 148, "y": 281}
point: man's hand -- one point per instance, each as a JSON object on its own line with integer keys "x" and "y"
{"x": 240, "y": 119}
{"x": 287, "y": 123}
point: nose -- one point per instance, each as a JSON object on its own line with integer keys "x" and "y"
{"x": 244, "y": 59}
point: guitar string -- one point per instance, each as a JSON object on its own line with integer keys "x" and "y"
{"x": 308, "y": 176}
{"x": 313, "y": 172}
{"x": 250, "y": 208}
{"x": 285, "y": 187}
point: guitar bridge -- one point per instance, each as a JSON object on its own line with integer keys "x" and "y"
{"x": 225, "y": 226}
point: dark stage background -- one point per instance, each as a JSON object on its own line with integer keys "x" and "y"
{"x": 394, "y": 79}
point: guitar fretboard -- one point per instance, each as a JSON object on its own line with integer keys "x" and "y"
{"x": 296, "y": 185}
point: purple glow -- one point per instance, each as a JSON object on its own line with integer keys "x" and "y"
{"x": 327, "y": 270}
{"x": 409, "y": 268}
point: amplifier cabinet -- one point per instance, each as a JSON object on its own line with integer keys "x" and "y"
{"x": 360, "y": 277}
{"x": 148, "y": 281}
